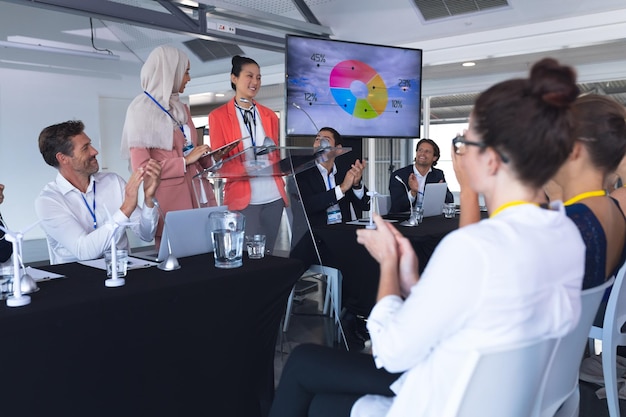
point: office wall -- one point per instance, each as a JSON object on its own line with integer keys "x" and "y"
{"x": 31, "y": 100}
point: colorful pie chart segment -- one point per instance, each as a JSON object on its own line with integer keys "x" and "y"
{"x": 342, "y": 80}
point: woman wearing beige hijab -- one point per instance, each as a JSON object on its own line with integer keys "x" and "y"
{"x": 159, "y": 126}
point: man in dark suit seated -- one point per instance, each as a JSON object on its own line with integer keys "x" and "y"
{"x": 330, "y": 193}
{"x": 413, "y": 178}
{"x": 328, "y": 190}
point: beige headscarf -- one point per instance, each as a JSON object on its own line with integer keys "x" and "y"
{"x": 146, "y": 125}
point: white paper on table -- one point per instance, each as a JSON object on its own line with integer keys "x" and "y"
{"x": 41, "y": 275}
{"x": 133, "y": 263}
{"x": 363, "y": 222}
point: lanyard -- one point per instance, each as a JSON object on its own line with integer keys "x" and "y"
{"x": 510, "y": 204}
{"x": 582, "y": 196}
{"x": 330, "y": 186}
{"x": 246, "y": 114}
{"x": 180, "y": 125}
{"x": 92, "y": 212}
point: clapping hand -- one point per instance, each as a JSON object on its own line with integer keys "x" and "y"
{"x": 394, "y": 253}
{"x": 151, "y": 181}
{"x": 357, "y": 171}
{"x": 413, "y": 184}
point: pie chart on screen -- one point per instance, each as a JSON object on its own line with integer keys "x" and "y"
{"x": 358, "y": 89}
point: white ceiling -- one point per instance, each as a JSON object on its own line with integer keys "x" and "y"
{"x": 504, "y": 42}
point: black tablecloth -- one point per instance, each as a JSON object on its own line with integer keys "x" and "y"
{"x": 196, "y": 341}
{"x": 338, "y": 248}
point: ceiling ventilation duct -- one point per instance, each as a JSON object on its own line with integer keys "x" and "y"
{"x": 207, "y": 51}
{"x": 437, "y": 9}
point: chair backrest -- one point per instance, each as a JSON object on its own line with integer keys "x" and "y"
{"x": 507, "y": 382}
{"x": 615, "y": 313}
{"x": 562, "y": 377}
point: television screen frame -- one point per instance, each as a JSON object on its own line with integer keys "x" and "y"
{"x": 319, "y": 92}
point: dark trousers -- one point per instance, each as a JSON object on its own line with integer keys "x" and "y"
{"x": 264, "y": 219}
{"x": 319, "y": 381}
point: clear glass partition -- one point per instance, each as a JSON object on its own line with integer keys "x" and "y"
{"x": 232, "y": 174}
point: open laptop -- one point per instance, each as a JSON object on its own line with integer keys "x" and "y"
{"x": 187, "y": 232}
{"x": 434, "y": 197}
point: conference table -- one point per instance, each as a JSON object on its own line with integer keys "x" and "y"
{"x": 338, "y": 248}
{"x": 195, "y": 341}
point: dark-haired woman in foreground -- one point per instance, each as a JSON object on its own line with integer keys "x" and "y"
{"x": 502, "y": 281}
{"x": 260, "y": 199}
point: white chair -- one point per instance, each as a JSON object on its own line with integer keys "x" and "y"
{"x": 612, "y": 336}
{"x": 561, "y": 395}
{"x": 505, "y": 382}
{"x": 332, "y": 298}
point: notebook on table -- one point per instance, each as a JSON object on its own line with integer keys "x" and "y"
{"x": 434, "y": 197}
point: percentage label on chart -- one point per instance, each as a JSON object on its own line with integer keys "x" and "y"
{"x": 310, "y": 97}
{"x": 319, "y": 58}
{"x": 404, "y": 84}
{"x": 396, "y": 104}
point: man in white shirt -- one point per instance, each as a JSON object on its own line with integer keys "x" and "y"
{"x": 78, "y": 208}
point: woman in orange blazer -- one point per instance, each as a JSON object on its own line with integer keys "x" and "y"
{"x": 158, "y": 126}
{"x": 260, "y": 199}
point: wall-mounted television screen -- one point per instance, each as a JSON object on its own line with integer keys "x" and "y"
{"x": 359, "y": 89}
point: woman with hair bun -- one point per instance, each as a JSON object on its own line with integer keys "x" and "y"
{"x": 499, "y": 282}
{"x": 599, "y": 147}
{"x": 260, "y": 199}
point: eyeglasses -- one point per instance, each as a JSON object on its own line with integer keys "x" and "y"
{"x": 460, "y": 144}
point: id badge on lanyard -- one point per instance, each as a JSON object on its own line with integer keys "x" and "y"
{"x": 188, "y": 147}
{"x": 333, "y": 215}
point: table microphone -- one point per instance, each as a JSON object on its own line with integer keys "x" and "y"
{"x": 307, "y": 115}
{"x": 411, "y": 220}
{"x": 402, "y": 182}
{"x": 170, "y": 263}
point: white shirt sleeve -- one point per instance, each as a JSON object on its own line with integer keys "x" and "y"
{"x": 338, "y": 193}
{"x": 359, "y": 192}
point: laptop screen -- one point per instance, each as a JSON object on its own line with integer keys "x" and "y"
{"x": 187, "y": 232}
{"x": 434, "y": 197}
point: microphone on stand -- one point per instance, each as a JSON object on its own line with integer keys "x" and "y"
{"x": 307, "y": 115}
{"x": 324, "y": 144}
{"x": 402, "y": 182}
{"x": 170, "y": 263}
{"x": 411, "y": 220}
{"x": 268, "y": 145}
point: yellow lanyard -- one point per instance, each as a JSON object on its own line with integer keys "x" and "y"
{"x": 510, "y": 204}
{"x": 582, "y": 196}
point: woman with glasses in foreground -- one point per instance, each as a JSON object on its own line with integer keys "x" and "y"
{"x": 498, "y": 282}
